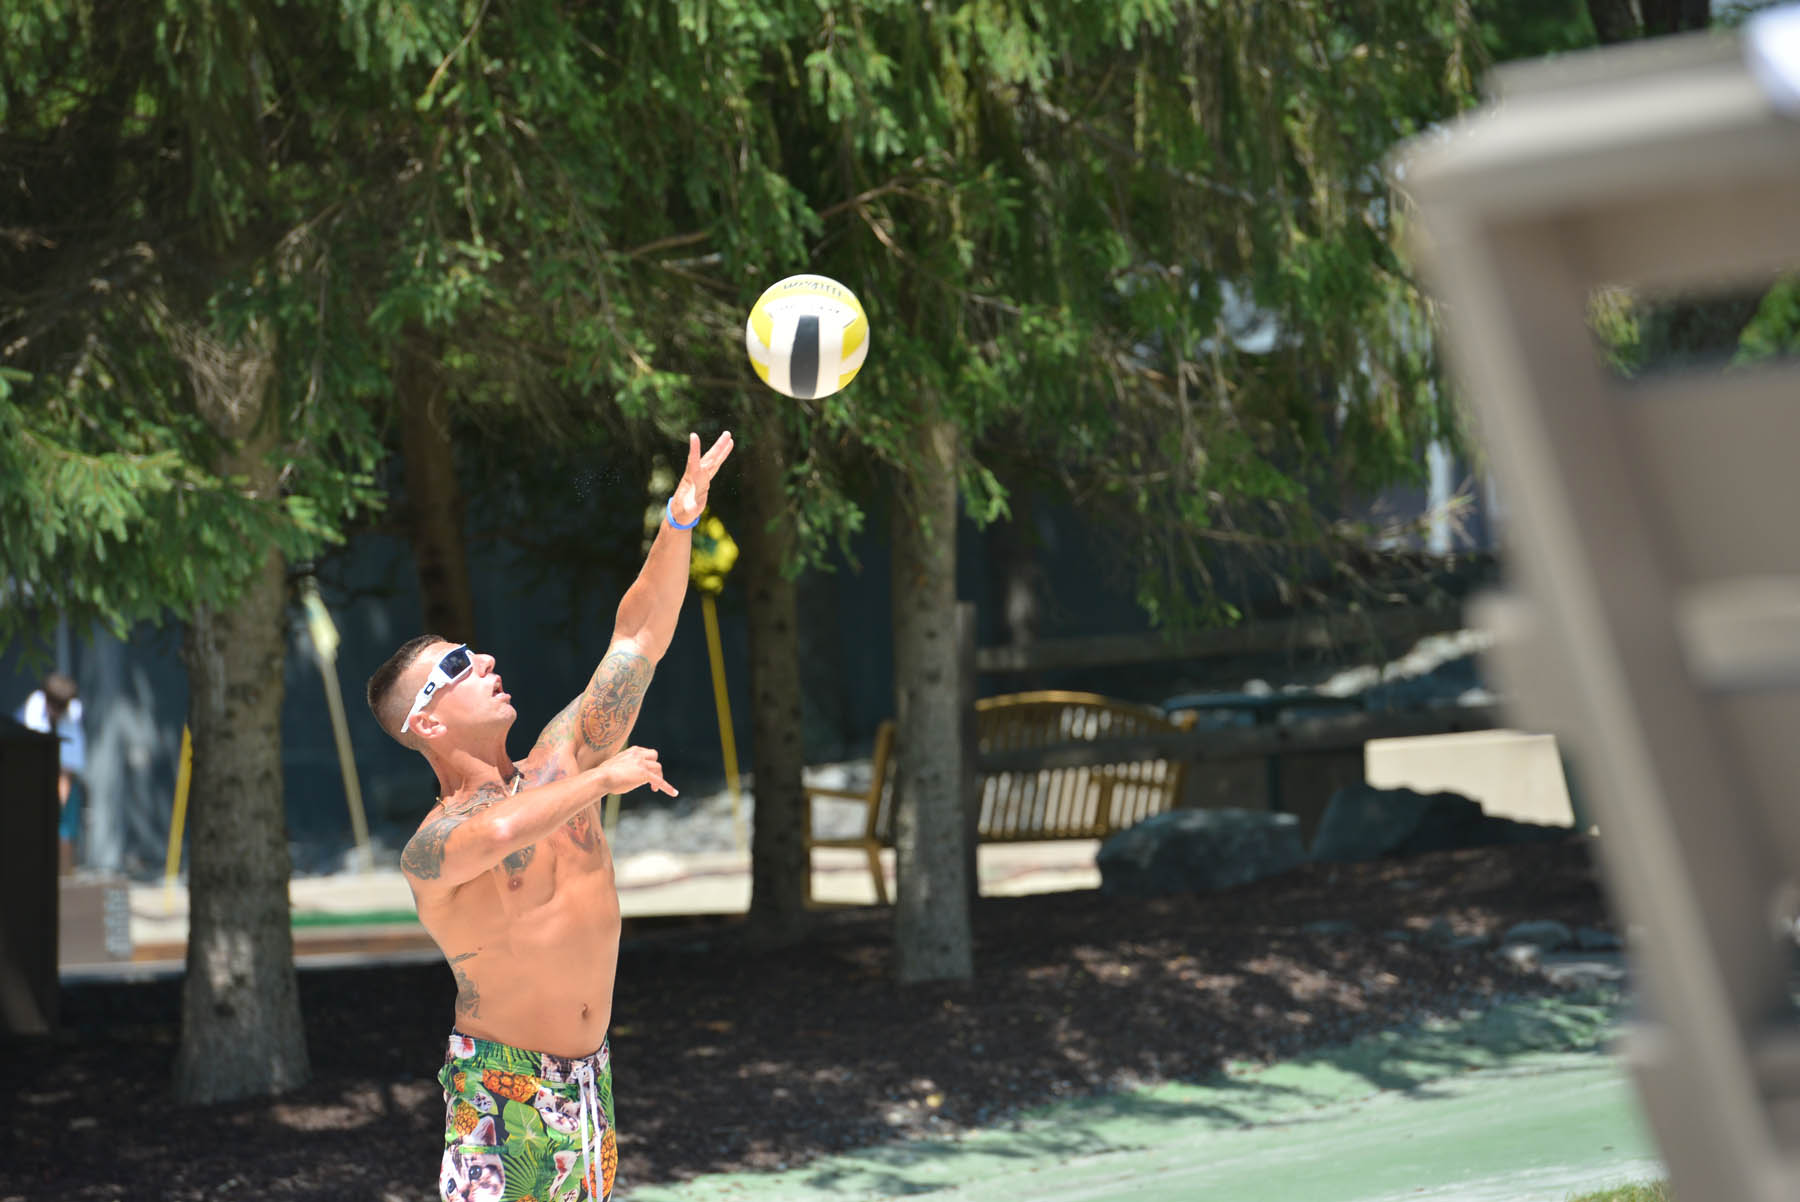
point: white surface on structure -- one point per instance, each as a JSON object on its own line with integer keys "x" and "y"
{"x": 1772, "y": 48}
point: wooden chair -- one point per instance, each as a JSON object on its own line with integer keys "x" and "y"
{"x": 878, "y": 821}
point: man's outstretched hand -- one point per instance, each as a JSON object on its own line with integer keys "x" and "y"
{"x": 689, "y": 500}
{"x": 633, "y": 767}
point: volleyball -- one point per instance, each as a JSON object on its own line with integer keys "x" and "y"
{"x": 807, "y": 335}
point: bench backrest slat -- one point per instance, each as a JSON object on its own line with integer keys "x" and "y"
{"x": 1057, "y": 803}
{"x": 1069, "y": 802}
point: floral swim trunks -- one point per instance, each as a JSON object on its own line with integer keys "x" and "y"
{"x": 525, "y": 1124}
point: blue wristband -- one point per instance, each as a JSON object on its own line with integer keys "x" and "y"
{"x": 669, "y": 513}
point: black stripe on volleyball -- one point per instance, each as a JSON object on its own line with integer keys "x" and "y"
{"x": 803, "y": 360}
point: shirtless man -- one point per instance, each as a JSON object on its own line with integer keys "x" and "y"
{"x": 513, "y": 879}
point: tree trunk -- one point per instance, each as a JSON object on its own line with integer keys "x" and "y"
{"x": 1675, "y": 16}
{"x": 778, "y": 858}
{"x": 932, "y": 935}
{"x": 1019, "y": 576}
{"x": 434, "y": 500}
{"x": 1625, "y": 20}
{"x": 241, "y": 1034}
{"x": 1615, "y": 20}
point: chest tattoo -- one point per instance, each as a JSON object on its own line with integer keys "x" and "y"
{"x": 519, "y": 860}
{"x": 581, "y": 831}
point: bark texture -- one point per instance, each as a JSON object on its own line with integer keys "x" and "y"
{"x": 931, "y": 920}
{"x": 778, "y": 859}
{"x": 241, "y": 1034}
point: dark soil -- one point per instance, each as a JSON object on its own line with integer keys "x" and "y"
{"x": 727, "y": 1059}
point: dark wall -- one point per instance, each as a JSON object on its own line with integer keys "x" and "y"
{"x": 135, "y": 696}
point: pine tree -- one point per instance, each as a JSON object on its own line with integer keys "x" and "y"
{"x": 183, "y": 411}
{"x": 1143, "y": 251}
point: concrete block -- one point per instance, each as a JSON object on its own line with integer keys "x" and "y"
{"x": 1513, "y": 774}
{"x": 95, "y": 926}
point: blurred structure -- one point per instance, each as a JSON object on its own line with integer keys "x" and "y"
{"x": 1654, "y": 551}
{"x": 55, "y": 708}
{"x": 28, "y": 886}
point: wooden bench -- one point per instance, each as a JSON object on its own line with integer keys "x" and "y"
{"x": 1028, "y": 806}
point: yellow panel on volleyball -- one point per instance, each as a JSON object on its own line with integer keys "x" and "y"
{"x": 807, "y": 336}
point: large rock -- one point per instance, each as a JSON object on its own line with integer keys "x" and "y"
{"x": 1187, "y": 851}
{"x": 1365, "y": 823}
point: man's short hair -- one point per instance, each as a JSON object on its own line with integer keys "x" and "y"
{"x": 59, "y": 690}
{"x": 389, "y": 709}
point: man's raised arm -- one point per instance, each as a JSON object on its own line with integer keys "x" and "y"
{"x": 596, "y": 724}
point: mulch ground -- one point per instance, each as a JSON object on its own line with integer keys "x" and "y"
{"x": 726, "y": 1059}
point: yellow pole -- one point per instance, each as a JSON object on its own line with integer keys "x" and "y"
{"x": 727, "y": 742}
{"x": 184, "y": 774}
{"x": 340, "y": 729}
{"x": 324, "y": 634}
{"x": 609, "y": 817}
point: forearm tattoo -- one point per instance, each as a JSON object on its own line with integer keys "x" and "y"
{"x": 611, "y": 702}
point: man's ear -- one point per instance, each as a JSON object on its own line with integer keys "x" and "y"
{"x": 428, "y": 726}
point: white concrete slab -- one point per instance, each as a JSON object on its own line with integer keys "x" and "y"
{"x": 1513, "y": 774}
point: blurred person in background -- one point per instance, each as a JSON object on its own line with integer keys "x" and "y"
{"x": 55, "y": 708}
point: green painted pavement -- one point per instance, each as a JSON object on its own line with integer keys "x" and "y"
{"x": 1517, "y": 1104}
{"x": 354, "y": 918}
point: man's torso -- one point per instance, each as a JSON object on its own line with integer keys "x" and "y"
{"x": 534, "y": 941}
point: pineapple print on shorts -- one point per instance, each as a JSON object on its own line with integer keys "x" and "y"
{"x": 463, "y": 1117}
{"x": 515, "y": 1087}
{"x": 609, "y": 1161}
{"x": 511, "y": 1129}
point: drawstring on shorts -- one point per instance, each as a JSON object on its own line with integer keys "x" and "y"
{"x": 591, "y": 1128}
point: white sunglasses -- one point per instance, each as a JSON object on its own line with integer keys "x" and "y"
{"x": 455, "y": 665}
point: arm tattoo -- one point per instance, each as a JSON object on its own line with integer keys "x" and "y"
{"x": 423, "y": 855}
{"x": 560, "y": 731}
{"x": 468, "y": 997}
{"x": 611, "y": 702}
